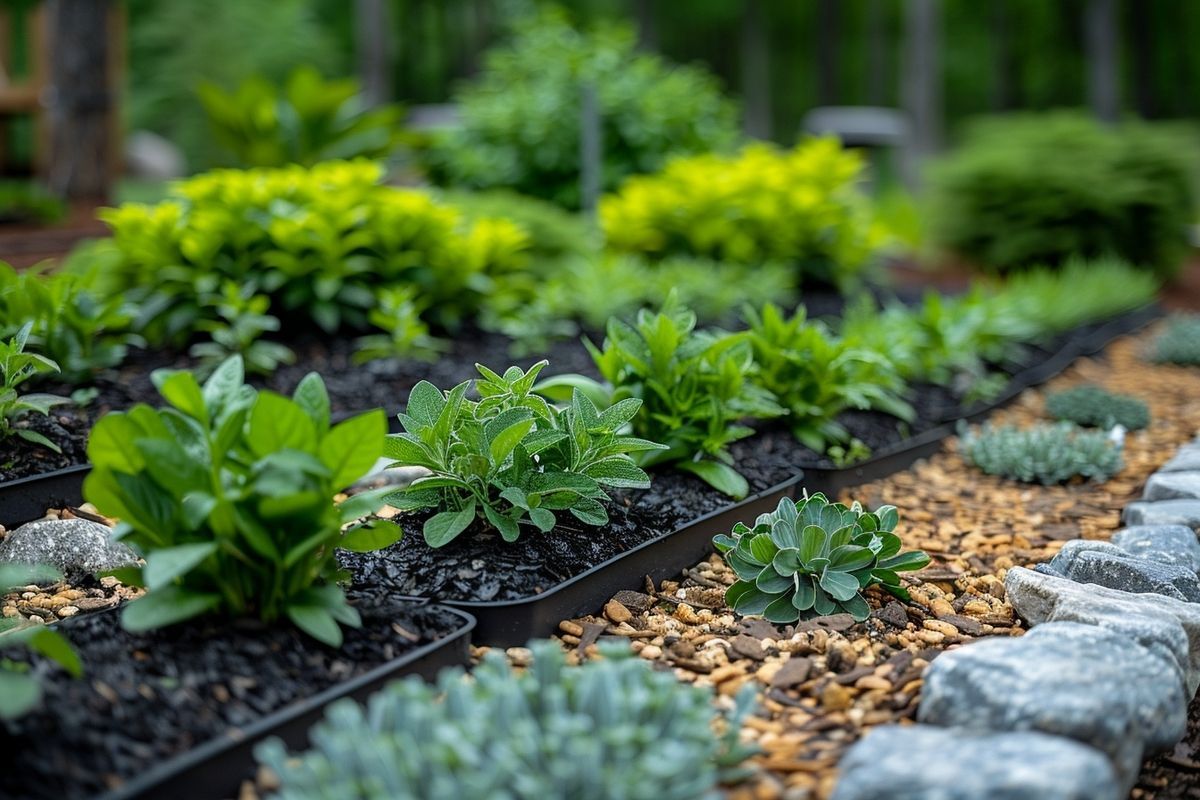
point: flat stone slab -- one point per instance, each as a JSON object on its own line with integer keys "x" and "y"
{"x": 1080, "y": 681}
{"x": 1164, "y": 512}
{"x": 1173, "y": 486}
{"x": 76, "y": 547}
{"x": 1166, "y": 544}
{"x": 1169, "y": 628}
{"x": 1108, "y": 565}
{"x": 1186, "y": 459}
{"x": 913, "y": 762}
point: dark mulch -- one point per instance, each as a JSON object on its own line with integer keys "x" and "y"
{"x": 148, "y": 697}
{"x": 20, "y": 458}
{"x": 1175, "y": 775}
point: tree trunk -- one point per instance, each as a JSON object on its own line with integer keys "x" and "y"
{"x": 1100, "y": 31}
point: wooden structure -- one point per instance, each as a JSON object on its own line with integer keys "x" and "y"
{"x": 21, "y": 91}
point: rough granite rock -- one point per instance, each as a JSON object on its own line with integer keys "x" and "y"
{"x": 1170, "y": 628}
{"x": 1173, "y": 486}
{"x": 909, "y": 762}
{"x": 1164, "y": 512}
{"x": 1064, "y": 678}
{"x": 1166, "y": 544}
{"x": 1186, "y": 459}
{"x": 1108, "y": 565}
{"x": 76, "y": 547}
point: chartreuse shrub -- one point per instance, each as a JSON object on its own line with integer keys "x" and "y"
{"x": 1034, "y": 189}
{"x": 19, "y": 687}
{"x": 228, "y": 495}
{"x": 817, "y": 376}
{"x": 696, "y": 387}
{"x": 81, "y": 329}
{"x": 1094, "y": 407}
{"x": 512, "y": 459}
{"x": 1179, "y": 342}
{"x": 811, "y": 557}
{"x": 319, "y": 242}
{"x": 305, "y": 121}
{"x": 1045, "y": 454}
{"x": 17, "y": 367}
{"x": 520, "y": 126}
{"x": 611, "y": 728}
{"x": 801, "y": 207}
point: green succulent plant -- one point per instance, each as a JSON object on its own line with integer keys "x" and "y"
{"x": 811, "y": 557}
{"x": 1044, "y": 454}
{"x": 1179, "y": 343}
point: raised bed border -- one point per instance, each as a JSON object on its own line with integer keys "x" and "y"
{"x": 216, "y": 768}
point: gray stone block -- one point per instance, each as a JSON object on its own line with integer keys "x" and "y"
{"x": 1166, "y": 544}
{"x": 1164, "y": 512}
{"x": 76, "y": 547}
{"x": 1169, "y": 628}
{"x": 1172, "y": 486}
{"x": 1063, "y": 678}
{"x": 913, "y": 762}
{"x": 1108, "y": 565}
{"x": 1186, "y": 459}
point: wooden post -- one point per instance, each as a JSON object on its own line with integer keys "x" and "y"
{"x": 1100, "y": 32}
{"x": 591, "y": 148}
{"x": 82, "y": 102}
{"x": 922, "y": 87}
{"x": 371, "y": 32}
{"x": 756, "y": 72}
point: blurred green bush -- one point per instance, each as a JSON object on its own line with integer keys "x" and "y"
{"x": 1038, "y": 188}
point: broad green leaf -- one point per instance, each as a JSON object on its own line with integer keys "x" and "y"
{"x": 317, "y": 622}
{"x": 543, "y": 519}
{"x": 848, "y": 558}
{"x": 823, "y": 605}
{"x": 277, "y": 423}
{"x": 772, "y": 582}
{"x": 375, "y": 535}
{"x": 746, "y": 599}
{"x": 722, "y": 477}
{"x": 812, "y": 542}
{"x": 407, "y": 451}
{"x": 148, "y": 506}
{"x": 618, "y": 472}
{"x": 906, "y": 562}
{"x": 441, "y": 528}
{"x": 723, "y": 542}
{"x": 888, "y": 516}
{"x": 787, "y": 561}
{"x": 781, "y": 611}
{"x": 510, "y": 531}
{"x": 785, "y": 533}
{"x": 502, "y": 442}
{"x": 560, "y": 388}
{"x": 805, "y": 593}
{"x": 166, "y": 564}
{"x": 111, "y": 443}
{"x": 30, "y": 435}
{"x": 857, "y": 607}
{"x": 166, "y": 607}
{"x": 180, "y": 389}
{"x": 313, "y": 398}
{"x": 425, "y": 403}
{"x": 55, "y": 647}
{"x": 173, "y": 469}
{"x": 352, "y": 447}
{"x": 360, "y": 505}
{"x": 839, "y": 585}
{"x": 613, "y": 417}
{"x": 222, "y": 388}
{"x": 762, "y": 548}
{"x": 19, "y": 694}
{"x": 590, "y": 512}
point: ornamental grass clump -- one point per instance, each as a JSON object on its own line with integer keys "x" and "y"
{"x": 811, "y": 558}
{"x": 1046, "y": 454}
{"x": 227, "y": 493}
{"x": 1094, "y": 407}
{"x": 1179, "y": 343}
{"x": 612, "y": 728}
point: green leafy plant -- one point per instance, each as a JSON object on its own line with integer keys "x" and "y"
{"x": 696, "y": 386}
{"x": 1092, "y": 406}
{"x": 16, "y": 367}
{"x": 1033, "y": 189}
{"x": 307, "y": 120}
{"x": 512, "y": 459}
{"x": 1179, "y": 341}
{"x": 228, "y": 495}
{"x": 404, "y": 334}
{"x": 241, "y": 320}
{"x": 23, "y": 201}
{"x": 19, "y": 688}
{"x": 811, "y": 557}
{"x": 1045, "y": 454}
{"x": 816, "y": 376}
{"x": 849, "y": 454}
{"x": 606, "y": 729}
{"x": 80, "y": 328}
{"x": 521, "y": 118}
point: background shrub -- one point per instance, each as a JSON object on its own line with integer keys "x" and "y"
{"x": 1094, "y": 407}
{"x": 1037, "y": 188}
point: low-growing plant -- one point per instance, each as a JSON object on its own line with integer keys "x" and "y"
{"x": 24, "y": 201}
{"x": 1179, "y": 342}
{"x": 697, "y": 388}
{"x": 1094, "y": 407}
{"x": 17, "y": 367}
{"x": 816, "y": 376}
{"x": 611, "y": 728}
{"x": 239, "y": 321}
{"x": 1044, "y": 454}
{"x": 228, "y": 495}
{"x": 404, "y": 335}
{"x": 811, "y": 557}
{"x": 512, "y": 459}
{"x": 20, "y": 691}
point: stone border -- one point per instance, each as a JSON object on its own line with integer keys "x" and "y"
{"x": 1070, "y": 710}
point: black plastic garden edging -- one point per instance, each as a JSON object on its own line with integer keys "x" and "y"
{"x": 28, "y": 498}
{"x": 215, "y": 769}
{"x": 507, "y": 623}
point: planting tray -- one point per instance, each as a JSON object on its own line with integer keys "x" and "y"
{"x": 215, "y": 769}
{"x": 25, "y": 499}
{"x": 514, "y": 622}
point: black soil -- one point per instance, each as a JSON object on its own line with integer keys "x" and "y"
{"x": 20, "y": 457}
{"x": 1175, "y": 775}
{"x": 147, "y": 697}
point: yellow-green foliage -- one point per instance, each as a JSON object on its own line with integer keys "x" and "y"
{"x": 800, "y": 206}
{"x": 319, "y": 241}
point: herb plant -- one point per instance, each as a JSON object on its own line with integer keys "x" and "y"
{"x": 228, "y": 495}
{"x": 611, "y": 728}
{"x": 697, "y": 387}
{"x": 239, "y": 321}
{"x": 1179, "y": 342}
{"x": 1094, "y": 407}
{"x": 19, "y": 688}
{"x": 811, "y": 557}
{"x": 1045, "y": 454}
{"x": 816, "y": 376}
{"x": 404, "y": 334}
{"x": 16, "y": 367}
{"x": 512, "y": 459}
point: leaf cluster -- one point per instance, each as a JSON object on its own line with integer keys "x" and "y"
{"x": 19, "y": 688}
{"x": 811, "y": 557}
{"x": 609, "y": 728}
{"x": 511, "y": 459}
{"x": 16, "y": 367}
{"x": 228, "y": 495}
{"x": 1046, "y": 454}
{"x": 403, "y": 333}
{"x": 1094, "y": 407}
{"x": 239, "y": 320}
